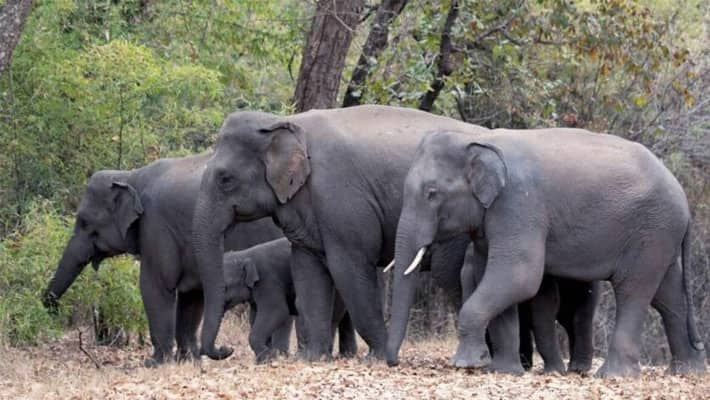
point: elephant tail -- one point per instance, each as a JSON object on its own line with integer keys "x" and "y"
{"x": 686, "y": 255}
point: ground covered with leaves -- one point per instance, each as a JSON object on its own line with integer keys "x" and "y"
{"x": 61, "y": 370}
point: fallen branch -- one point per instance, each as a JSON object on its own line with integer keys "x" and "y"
{"x": 83, "y": 350}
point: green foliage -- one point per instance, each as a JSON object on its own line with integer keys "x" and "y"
{"x": 28, "y": 260}
{"x": 97, "y": 85}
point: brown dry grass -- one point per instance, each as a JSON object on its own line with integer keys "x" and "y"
{"x": 59, "y": 370}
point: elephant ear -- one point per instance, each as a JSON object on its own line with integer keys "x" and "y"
{"x": 487, "y": 173}
{"x": 251, "y": 273}
{"x": 127, "y": 206}
{"x": 286, "y": 159}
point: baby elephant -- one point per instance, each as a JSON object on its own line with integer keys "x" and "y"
{"x": 261, "y": 275}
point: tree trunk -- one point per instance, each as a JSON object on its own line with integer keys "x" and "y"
{"x": 444, "y": 67}
{"x": 375, "y": 44}
{"x": 12, "y": 19}
{"x": 324, "y": 54}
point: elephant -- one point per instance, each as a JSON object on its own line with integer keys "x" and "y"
{"x": 147, "y": 212}
{"x": 570, "y": 302}
{"x": 332, "y": 180}
{"x": 261, "y": 276}
{"x": 564, "y": 202}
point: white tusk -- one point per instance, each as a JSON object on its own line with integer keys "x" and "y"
{"x": 416, "y": 261}
{"x": 389, "y": 266}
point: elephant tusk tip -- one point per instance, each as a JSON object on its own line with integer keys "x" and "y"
{"x": 388, "y": 267}
{"x": 416, "y": 261}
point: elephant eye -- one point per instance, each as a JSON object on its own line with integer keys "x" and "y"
{"x": 432, "y": 194}
{"x": 81, "y": 222}
{"x": 225, "y": 180}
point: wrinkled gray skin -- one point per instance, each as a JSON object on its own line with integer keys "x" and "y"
{"x": 148, "y": 212}
{"x": 570, "y": 302}
{"x": 261, "y": 276}
{"x": 568, "y": 203}
{"x": 332, "y": 180}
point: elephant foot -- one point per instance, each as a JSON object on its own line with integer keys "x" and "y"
{"x": 187, "y": 354}
{"x": 553, "y": 365}
{"x": 615, "y": 368}
{"x": 347, "y": 354}
{"x": 376, "y": 354}
{"x": 311, "y": 355}
{"x": 552, "y": 368}
{"x": 526, "y": 362}
{"x": 508, "y": 367}
{"x": 154, "y": 361}
{"x": 347, "y": 351}
{"x": 472, "y": 356}
{"x": 266, "y": 356}
{"x": 580, "y": 367}
{"x": 696, "y": 365}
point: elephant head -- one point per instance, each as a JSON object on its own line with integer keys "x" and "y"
{"x": 105, "y": 226}
{"x": 240, "y": 276}
{"x": 447, "y": 191}
{"x": 260, "y": 162}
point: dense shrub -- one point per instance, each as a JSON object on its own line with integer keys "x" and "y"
{"x": 28, "y": 259}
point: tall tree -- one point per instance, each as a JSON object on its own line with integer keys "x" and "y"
{"x": 375, "y": 44}
{"x": 324, "y": 54}
{"x": 12, "y": 19}
{"x": 444, "y": 67}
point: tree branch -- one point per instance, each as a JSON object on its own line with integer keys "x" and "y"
{"x": 83, "y": 350}
{"x": 444, "y": 67}
{"x": 375, "y": 44}
{"x": 13, "y": 15}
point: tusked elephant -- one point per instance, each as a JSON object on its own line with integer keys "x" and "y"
{"x": 564, "y": 202}
{"x": 570, "y": 302}
{"x": 332, "y": 180}
{"x": 148, "y": 212}
{"x": 261, "y": 276}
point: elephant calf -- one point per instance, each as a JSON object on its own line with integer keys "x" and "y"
{"x": 261, "y": 276}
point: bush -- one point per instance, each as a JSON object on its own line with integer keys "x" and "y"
{"x": 28, "y": 259}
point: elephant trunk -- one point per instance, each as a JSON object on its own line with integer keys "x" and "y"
{"x": 408, "y": 253}
{"x": 208, "y": 242}
{"x": 77, "y": 254}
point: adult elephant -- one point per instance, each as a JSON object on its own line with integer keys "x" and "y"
{"x": 569, "y": 203}
{"x": 148, "y": 212}
{"x": 332, "y": 180}
{"x": 572, "y": 303}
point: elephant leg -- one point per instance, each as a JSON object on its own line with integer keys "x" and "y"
{"x": 543, "y": 309}
{"x": 471, "y": 273}
{"x": 301, "y": 338}
{"x": 504, "y": 343}
{"x": 578, "y": 304}
{"x": 356, "y": 280}
{"x": 268, "y": 320}
{"x": 188, "y": 318}
{"x": 526, "y": 337}
{"x": 314, "y": 302}
{"x": 671, "y": 303}
{"x": 347, "y": 343}
{"x": 634, "y": 287}
{"x": 281, "y": 338}
{"x": 159, "y": 304}
{"x": 513, "y": 274}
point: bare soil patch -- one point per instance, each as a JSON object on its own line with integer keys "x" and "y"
{"x": 59, "y": 370}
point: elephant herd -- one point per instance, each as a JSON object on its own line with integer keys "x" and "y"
{"x": 294, "y": 215}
